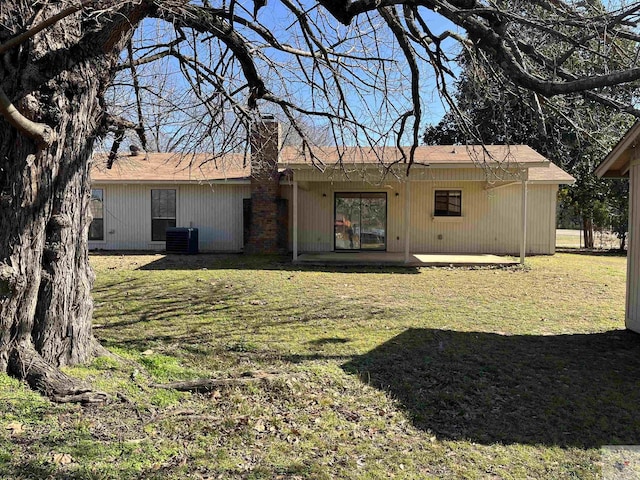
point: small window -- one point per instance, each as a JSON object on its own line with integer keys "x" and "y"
{"x": 96, "y": 228}
{"x": 163, "y": 213}
{"x": 448, "y": 203}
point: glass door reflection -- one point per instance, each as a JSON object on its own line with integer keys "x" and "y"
{"x": 347, "y": 223}
{"x": 373, "y": 219}
{"x": 360, "y": 221}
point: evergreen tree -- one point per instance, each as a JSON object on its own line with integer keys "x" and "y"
{"x": 571, "y": 131}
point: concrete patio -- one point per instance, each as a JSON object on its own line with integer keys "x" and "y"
{"x": 398, "y": 259}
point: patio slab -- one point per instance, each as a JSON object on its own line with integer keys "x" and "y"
{"x": 397, "y": 259}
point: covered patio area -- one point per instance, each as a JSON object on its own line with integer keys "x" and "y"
{"x": 398, "y": 259}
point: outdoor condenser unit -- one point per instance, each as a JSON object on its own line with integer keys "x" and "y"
{"x": 182, "y": 240}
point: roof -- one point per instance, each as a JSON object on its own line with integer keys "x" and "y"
{"x": 434, "y": 155}
{"x": 195, "y": 168}
{"x": 170, "y": 168}
{"x": 616, "y": 163}
{"x": 550, "y": 174}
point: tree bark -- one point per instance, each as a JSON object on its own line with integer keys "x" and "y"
{"x": 587, "y": 230}
{"x": 45, "y": 277}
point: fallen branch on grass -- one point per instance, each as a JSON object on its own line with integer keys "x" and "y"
{"x": 91, "y": 397}
{"x": 208, "y": 384}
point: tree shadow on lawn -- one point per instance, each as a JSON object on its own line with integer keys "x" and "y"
{"x": 239, "y": 261}
{"x": 566, "y": 390}
{"x": 592, "y": 252}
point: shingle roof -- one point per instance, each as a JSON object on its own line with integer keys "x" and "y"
{"x": 550, "y": 174}
{"x": 170, "y": 167}
{"x": 175, "y": 167}
{"x": 431, "y": 154}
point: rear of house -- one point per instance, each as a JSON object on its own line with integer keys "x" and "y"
{"x": 456, "y": 199}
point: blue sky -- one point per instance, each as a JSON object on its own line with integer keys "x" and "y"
{"x": 279, "y": 20}
{"x": 365, "y": 105}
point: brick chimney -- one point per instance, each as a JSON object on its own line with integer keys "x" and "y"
{"x": 266, "y": 217}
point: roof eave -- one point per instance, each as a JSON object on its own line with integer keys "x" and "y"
{"x": 552, "y": 182}
{"x": 228, "y": 181}
{"x": 306, "y": 166}
{"x": 603, "y": 170}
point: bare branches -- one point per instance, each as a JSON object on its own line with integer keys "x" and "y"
{"x": 364, "y": 69}
{"x": 23, "y": 37}
{"x": 203, "y": 19}
{"x": 136, "y": 90}
{"x": 391, "y": 17}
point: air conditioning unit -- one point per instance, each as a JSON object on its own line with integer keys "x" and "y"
{"x": 182, "y": 240}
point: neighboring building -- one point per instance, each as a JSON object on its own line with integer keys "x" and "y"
{"x": 456, "y": 199}
{"x": 624, "y": 162}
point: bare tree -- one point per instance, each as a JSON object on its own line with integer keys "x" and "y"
{"x": 356, "y": 68}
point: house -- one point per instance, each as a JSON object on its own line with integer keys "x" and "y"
{"x": 456, "y": 199}
{"x": 624, "y": 162}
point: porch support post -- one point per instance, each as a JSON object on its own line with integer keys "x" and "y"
{"x": 407, "y": 219}
{"x": 295, "y": 220}
{"x": 523, "y": 232}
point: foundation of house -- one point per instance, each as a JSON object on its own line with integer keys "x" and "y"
{"x": 397, "y": 259}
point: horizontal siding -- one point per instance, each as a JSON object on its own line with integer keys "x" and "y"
{"x": 216, "y": 210}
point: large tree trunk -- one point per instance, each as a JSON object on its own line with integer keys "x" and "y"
{"x": 55, "y": 79}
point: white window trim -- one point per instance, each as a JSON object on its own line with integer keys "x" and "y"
{"x": 161, "y": 187}
{"x": 104, "y": 217}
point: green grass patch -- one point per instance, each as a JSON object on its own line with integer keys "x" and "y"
{"x": 403, "y": 373}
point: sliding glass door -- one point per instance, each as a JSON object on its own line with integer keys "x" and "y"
{"x": 360, "y": 221}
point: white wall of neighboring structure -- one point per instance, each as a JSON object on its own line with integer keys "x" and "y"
{"x": 490, "y": 223}
{"x": 632, "y": 310}
{"x": 216, "y": 210}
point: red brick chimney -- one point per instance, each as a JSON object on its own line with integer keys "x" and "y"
{"x": 268, "y": 216}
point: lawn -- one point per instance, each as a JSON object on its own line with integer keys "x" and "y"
{"x": 603, "y": 240}
{"x": 378, "y": 373}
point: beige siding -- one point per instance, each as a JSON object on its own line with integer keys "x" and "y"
{"x": 316, "y": 205}
{"x": 374, "y": 176}
{"x": 490, "y": 223}
{"x": 216, "y": 210}
{"x": 491, "y": 218}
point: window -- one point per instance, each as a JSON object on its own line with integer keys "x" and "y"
{"x": 448, "y": 203}
{"x": 96, "y": 204}
{"x": 163, "y": 213}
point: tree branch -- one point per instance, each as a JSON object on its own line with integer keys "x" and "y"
{"x": 43, "y": 134}
{"x": 23, "y": 37}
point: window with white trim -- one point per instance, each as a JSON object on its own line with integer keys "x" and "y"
{"x": 96, "y": 205}
{"x": 163, "y": 213}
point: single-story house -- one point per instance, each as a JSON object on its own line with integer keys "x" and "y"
{"x": 455, "y": 199}
{"x": 624, "y": 162}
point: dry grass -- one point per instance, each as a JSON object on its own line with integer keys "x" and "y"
{"x": 390, "y": 373}
{"x": 573, "y": 239}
